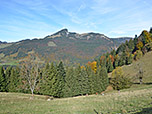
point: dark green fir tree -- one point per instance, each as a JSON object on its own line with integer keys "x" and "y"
{"x": 59, "y": 82}
{"x": 2, "y": 80}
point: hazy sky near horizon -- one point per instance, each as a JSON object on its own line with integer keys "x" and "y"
{"x": 27, "y": 19}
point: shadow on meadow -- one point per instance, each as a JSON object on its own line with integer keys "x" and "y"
{"x": 150, "y": 83}
{"x": 145, "y": 111}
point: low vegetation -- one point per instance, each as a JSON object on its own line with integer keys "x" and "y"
{"x": 132, "y": 101}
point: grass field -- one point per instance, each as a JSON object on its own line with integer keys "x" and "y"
{"x": 126, "y": 101}
{"x": 145, "y": 63}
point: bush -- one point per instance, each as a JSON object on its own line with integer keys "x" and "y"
{"x": 138, "y": 54}
{"x": 119, "y": 81}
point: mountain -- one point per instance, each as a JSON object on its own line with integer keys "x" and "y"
{"x": 63, "y": 45}
{"x": 121, "y": 39}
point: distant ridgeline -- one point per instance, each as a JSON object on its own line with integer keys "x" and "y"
{"x": 59, "y": 81}
{"x": 70, "y": 47}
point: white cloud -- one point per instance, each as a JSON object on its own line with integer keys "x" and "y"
{"x": 117, "y": 32}
{"x": 82, "y": 6}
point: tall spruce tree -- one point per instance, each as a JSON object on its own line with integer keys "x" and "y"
{"x": 104, "y": 78}
{"x": 48, "y": 78}
{"x": 99, "y": 81}
{"x": 109, "y": 65}
{"x": 131, "y": 45}
{"x": 91, "y": 80}
{"x": 2, "y": 79}
{"x": 7, "y": 77}
{"x": 78, "y": 83}
{"x": 116, "y": 61}
{"x": 59, "y": 84}
{"x": 129, "y": 59}
{"x": 13, "y": 80}
{"x": 85, "y": 83}
{"x": 70, "y": 81}
{"x": 43, "y": 84}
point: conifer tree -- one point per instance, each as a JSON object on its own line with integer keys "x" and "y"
{"x": 99, "y": 81}
{"x": 78, "y": 83}
{"x": 129, "y": 59}
{"x": 48, "y": 78}
{"x": 104, "y": 78}
{"x": 7, "y": 77}
{"x": 131, "y": 45}
{"x": 2, "y": 79}
{"x": 122, "y": 59}
{"x": 91, "y": 80}
{"x": 102, "y": 61}
{"x": 115, "y": 64}
{"x": 43, "y": 84}
{"x": 59, "y": 84}
{"x": 109, "y": 65}
{"x": 150, "y": 30}
{"x": 13, "y": 81}
{"x": 85, "y": 83}
{"x": 69, "y": 81}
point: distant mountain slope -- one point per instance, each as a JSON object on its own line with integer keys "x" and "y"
{"x": 121, "y": 39}
{"x": 63, "y": 45}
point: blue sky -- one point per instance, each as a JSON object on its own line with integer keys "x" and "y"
{"x": 27, "y": 19}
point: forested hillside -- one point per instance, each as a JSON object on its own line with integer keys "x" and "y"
{"x": 67, "y": 46}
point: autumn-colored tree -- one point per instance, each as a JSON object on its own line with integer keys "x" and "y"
{"x": 112, "y": 58}
{"x": 93, "y": 65}
{"x": 138, "y": 54}
{"x": 147, "y": 37}
{"x": 129, "y": 59}
{"x": 118, "y": 80}
{"x": 139, "y": 45}
{"x": 30, "y": 71}
{"x": 116, "y": 61}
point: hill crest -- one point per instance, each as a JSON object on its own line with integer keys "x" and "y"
{"x": 63, "y": 45}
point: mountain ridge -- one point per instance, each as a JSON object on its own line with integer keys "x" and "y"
{"x": 62, "y": 45}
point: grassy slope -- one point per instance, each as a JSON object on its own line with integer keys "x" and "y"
{"x": 127, "y": 101}
{"x": 133, "y": 100}
{"x": 146, "y": 65}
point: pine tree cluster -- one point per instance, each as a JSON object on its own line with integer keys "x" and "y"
{"x": 56, "y": 80}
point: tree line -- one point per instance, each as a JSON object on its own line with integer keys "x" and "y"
{"x": 54, "y": 80}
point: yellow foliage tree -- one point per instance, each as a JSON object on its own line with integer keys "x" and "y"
{"x": 118, "y": 80}
{"x": 147, "y": 36}
{"x": 139, "y": 45}
{"x": 93, "y": 65}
